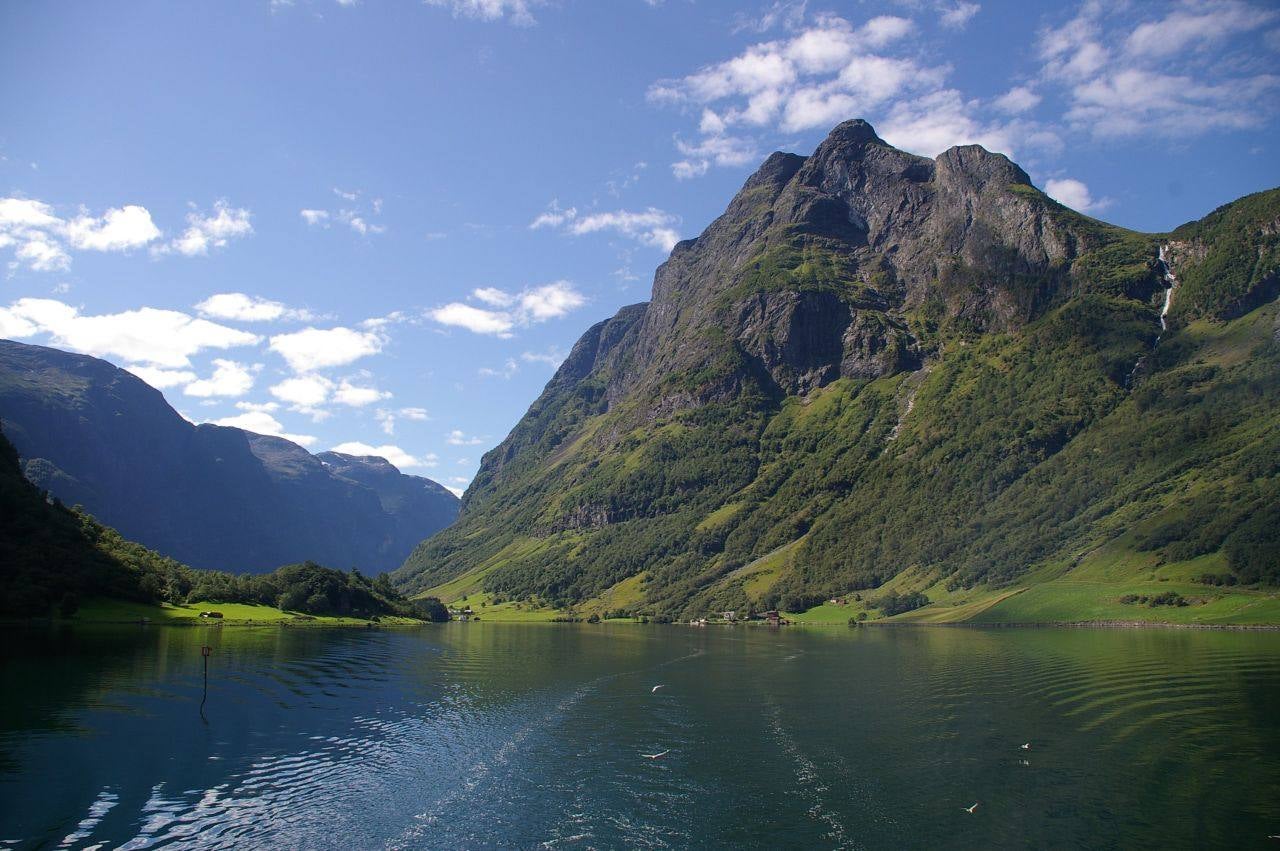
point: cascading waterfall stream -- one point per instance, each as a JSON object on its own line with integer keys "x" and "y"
{"x": 1171, "y": 283}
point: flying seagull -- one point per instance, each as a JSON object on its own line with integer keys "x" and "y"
{"x": 1027, "y": 746}
{"x": 656, "y": 755}
{"x": 654, "y": 690}
{"x": 970, "y": 810}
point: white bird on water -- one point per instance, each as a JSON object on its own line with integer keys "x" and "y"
{"x": 1027, "y": 746}
{"x": 970, "y": 810}
{"x": 654, "y": 690}
{"x": 656, "y": 755}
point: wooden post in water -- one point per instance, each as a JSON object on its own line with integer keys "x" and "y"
{"x": 205, "y": 650}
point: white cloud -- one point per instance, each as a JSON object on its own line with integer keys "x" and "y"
{"x": 116, "y": 230}
{"x": 40, "y": 239}
{"x": 229, "y": 379}
{"x": 549, "y": 301}
{"x": 689, "y": 169}
{"x": 822, "y": 73}
{"x": 475, "y": 319}
{"x": 1186, "y": 72}
{"x": 158, "y": 377}
{"x": 247, "y": 308}
{"x": 161, "y": 338}
{"x": 267, "y": 407}
{"x": 1196, "y": 26}
{"x": 553, "y": 357}
{"x": 26, "y": 213}
{"x": 1016, "y": 100}
{"x": 518, "y": 12}
{"x": 387, "y": 418}
{"x": 397, "y": 456}
{"x": 459, "y": 438}
{"x": 355, "y": 219}
{"x": 211, "y": 230}
{"x": 42, "y": 255}
{"x": 957, "y": 16}
{"x": 716, "y": 148}
{"x": 1074, "y": 194}
{"x": 305, "y": 392}
{"x": 935, "y": 122}
{"x": 357, "y": 223}
{"x": 554, "y": 217}
{"x": 508, "y": 369}
{"x": 527, "y": 307}
{"x": 652, "y": 227}
{"x": 261, "y": 422}
{"x": 1136, "y": 101}
{"x": 357, "y": 397}
{"x": 314, "y": 348}
{"x": 493, "y": 296}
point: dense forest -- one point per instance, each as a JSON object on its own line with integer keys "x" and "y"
{"x": 52, "y": 558}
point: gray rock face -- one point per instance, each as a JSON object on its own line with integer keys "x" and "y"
{"x": 821, "y": 268}
{"x": 805, "y": 340}
{"x": 818, "y": 263}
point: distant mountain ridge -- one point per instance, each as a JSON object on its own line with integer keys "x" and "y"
{"x": 210, "y": 496}
{"x": 876, "y": 370}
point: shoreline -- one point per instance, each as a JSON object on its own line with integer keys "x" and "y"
{"x": 190, "y": 623}
{"x": 1108, "y": 624}
{"x": 300, "y": 623}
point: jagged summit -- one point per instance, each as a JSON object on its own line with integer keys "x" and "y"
{"x": 851, "y": 372}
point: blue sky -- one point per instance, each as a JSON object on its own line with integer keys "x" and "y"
{"x": 380, "y": 224}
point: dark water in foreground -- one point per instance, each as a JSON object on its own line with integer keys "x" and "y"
{"x": 475, "y": 735}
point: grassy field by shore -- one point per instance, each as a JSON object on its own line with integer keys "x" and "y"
{"x": 103, "y": 610}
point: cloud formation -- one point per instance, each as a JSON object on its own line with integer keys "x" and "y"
{"x": 1171, "y": 75}
{"x": 318, "y": 348}
{"x": 229, "y": 378}
{"x": 261, "y": 422}
{"x": 518, "y": 12}
{"x": 651, "y": 226}
{"x": 506, "y": 311}
{"x": 42, "y": 241}
{"x": 241, "y": 307}
{"x": 209, "y": 230}
{"x": 147, "y": 336}
{"x": 1074, "y": 194}
{"x": 398, "y": 457}
{"x": 1108, "y": 70}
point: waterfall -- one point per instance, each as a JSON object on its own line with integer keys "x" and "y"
{"x": 1171, "y": 284}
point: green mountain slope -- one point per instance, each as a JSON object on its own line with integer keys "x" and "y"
{"x": 878, "y": 371}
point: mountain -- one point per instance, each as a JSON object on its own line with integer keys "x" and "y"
{"x": 210, "y": 496}
{"x": 53, "y": 559}
{"x": 877, "y": 371}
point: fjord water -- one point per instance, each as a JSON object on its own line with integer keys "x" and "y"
{"x": 485, "y": 734}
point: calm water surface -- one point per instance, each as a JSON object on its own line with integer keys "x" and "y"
{"x": 482, "y": 735}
